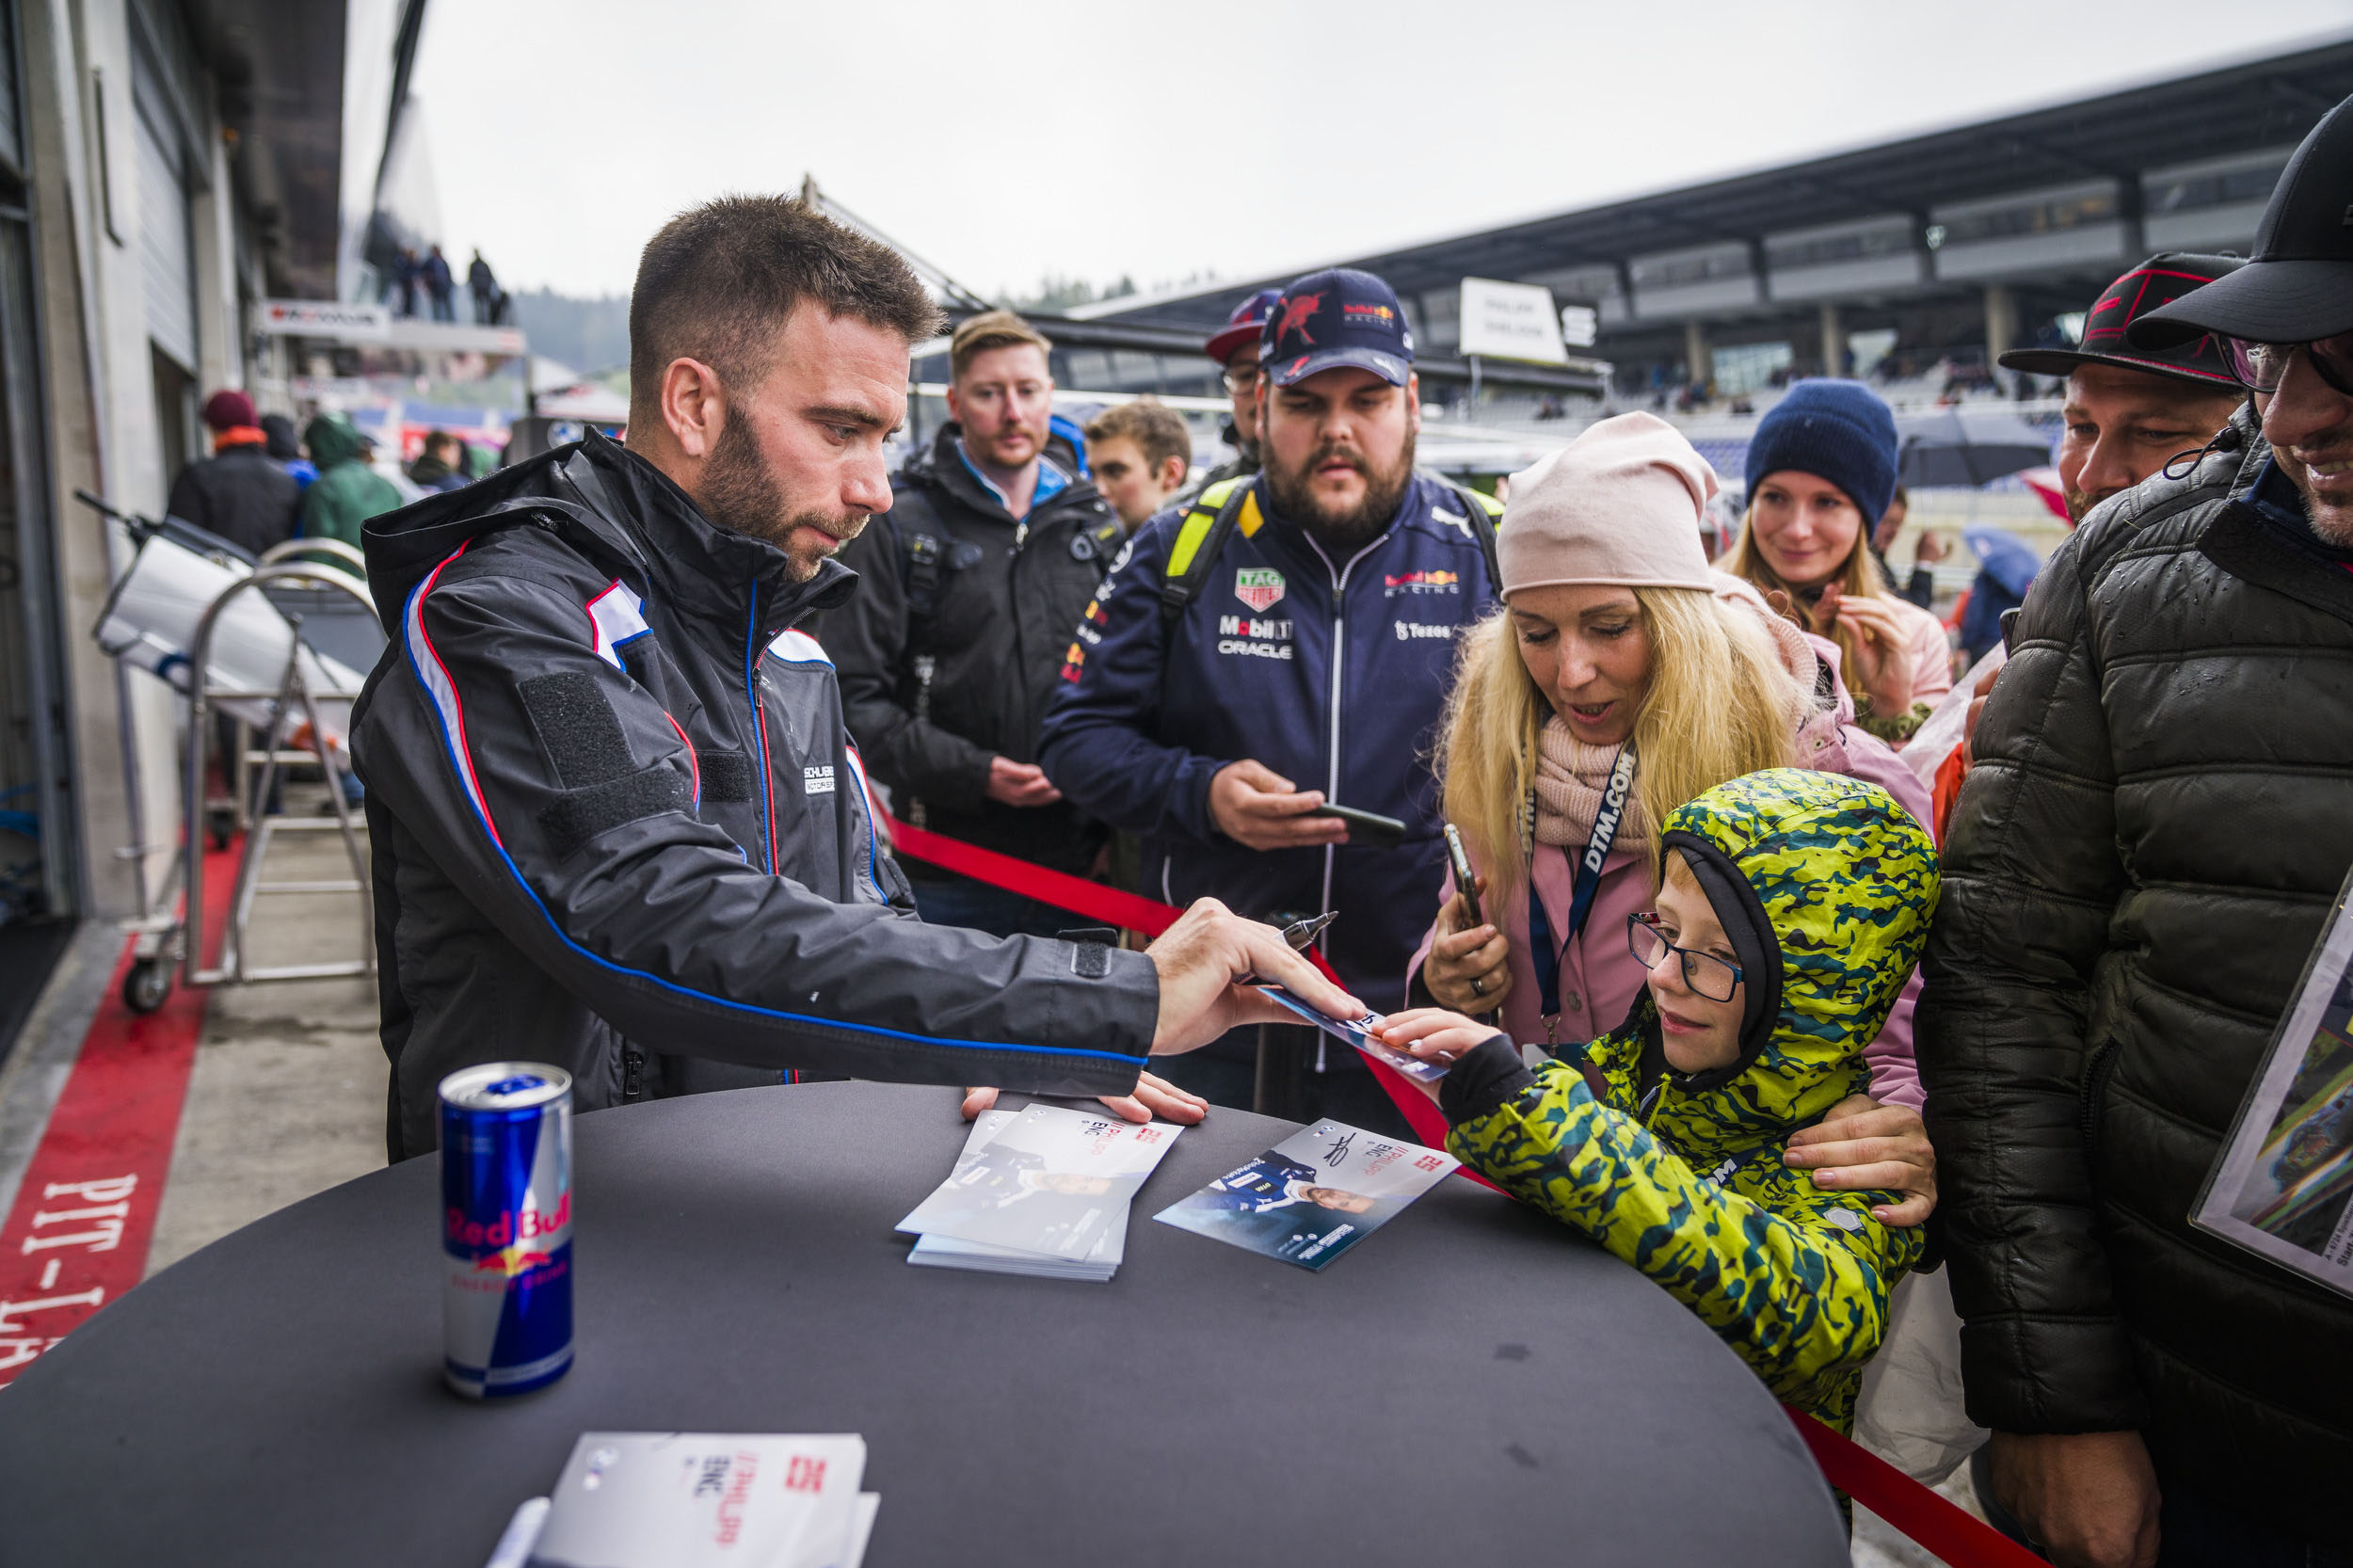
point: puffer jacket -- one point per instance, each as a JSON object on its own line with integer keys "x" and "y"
{"x": 1005, "y": 595}
{"x": 1680, "y": 1175}
{"x": 2159, "y": 817}
{"x": 617, "y": 824}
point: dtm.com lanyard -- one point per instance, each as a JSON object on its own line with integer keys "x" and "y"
{"x": 1542, "y": 954}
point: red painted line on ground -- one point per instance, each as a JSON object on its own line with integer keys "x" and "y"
{"x": 78, "y": 1234}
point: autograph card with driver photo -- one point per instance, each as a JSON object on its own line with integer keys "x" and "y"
{"x": 1313, "y": 1195}
{"x": 1358, "y": 1032}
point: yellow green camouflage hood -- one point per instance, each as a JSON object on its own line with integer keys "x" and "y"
{"x": 1839, "y": 884}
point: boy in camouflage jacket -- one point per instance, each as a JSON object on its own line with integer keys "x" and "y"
{"x": 1794, "y": 906}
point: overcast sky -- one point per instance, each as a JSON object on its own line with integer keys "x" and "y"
{"x": 1100, "y": 139}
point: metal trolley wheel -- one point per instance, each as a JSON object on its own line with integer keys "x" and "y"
{"x": 148, "y": 983}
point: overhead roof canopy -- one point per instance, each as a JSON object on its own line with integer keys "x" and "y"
{"x": 2258, "y": 103}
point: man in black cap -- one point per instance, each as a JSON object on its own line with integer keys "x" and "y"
{"x": 2160, "y": 817}
{"x": 2129, "y": 409}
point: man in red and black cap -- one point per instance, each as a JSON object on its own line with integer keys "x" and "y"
{"x": 2158, "y": 824}
{"x": 1236, "y": 348}
{"x": 2128, "y": 409}
{"x": 240, "y": 492}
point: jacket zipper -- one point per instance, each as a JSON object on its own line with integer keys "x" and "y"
{"x": 752, "y": 654}
{"x": 1339, "y": 665}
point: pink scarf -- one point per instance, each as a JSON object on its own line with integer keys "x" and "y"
{"x": 1569, "y": 779}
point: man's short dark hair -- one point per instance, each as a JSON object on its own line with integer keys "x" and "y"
{"x": 1153, "y": 425}
{"x": 718, "y": 281}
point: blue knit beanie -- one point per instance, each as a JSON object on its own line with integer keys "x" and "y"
{"x": 1835, "y": 430}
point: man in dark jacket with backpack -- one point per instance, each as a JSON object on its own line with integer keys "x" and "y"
{"x": 1287, "y": 643}
{"x": 969, "y": 587}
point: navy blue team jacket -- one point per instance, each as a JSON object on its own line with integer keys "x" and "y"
{"x": 1332, "y": 671}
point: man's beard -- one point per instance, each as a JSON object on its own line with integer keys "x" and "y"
{"x": 2331, "y": 524}
{"x": 1294, "y": 497}
{"x": 739, "y": 494}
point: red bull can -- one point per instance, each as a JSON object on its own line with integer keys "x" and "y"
{"x": 506, "y": 1227}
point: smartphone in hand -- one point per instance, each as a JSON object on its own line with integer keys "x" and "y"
{"x": 1365, "y": 827}
{"x": 1464, "y": 883}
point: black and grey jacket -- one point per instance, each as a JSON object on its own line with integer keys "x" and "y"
{"x": 956, "y": 640}
{"x": 2159, "y": 818}
{"x": 617, "y": 825}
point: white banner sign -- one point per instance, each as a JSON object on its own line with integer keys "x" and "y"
{"x": 324, "y": 318}
{"x": 1511, "y": 320}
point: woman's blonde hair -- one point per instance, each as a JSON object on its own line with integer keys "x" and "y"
{"x": 1718, "y": 704}
{"x": 1859, "y": 578}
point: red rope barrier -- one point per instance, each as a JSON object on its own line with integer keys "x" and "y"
{"x": 1923, "y": 1516}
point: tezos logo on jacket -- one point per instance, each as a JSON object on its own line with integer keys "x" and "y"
{"x": 1260, "y": 587}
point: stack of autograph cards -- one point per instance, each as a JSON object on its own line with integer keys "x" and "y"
{"x": 1357, "y": 1032}
{"x": 674, "y": 1499}
{"x": 1313, "y": 1195}
{"x": 1041, "y": 1191}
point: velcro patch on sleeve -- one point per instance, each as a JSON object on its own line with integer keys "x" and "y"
{"x": 1090, "y": 960}
{"x": 577, "y": 728}
{"x": 727, "y": 776}
{"x": 580, "y": 815}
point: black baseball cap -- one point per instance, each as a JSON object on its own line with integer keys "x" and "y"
{"x": 2154, "y": 283}
{"x": 2298, "y": 286}
{"x": 1336, "y": 318}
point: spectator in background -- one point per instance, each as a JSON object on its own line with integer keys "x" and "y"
{"x": 237, "y": 492}
{"x": 2128, "y": 409}
{"x": 286, "y": 451}
{"x": 1822, "y": 460}
{"x": 440, "y": 285}
{"x": 441, "y": 465}
{"x": 406, "y": 273}
{"x": 1139, "y": 453}
{"x": 484, "y": 285}
{"x": 347, "y": 492}
{"x": 968, "y": 590}
{"x": 1920, "y": 588}
{"x": 2158, "y": 822}
{"x": 1235, "y": 348}
{"x": 1308, "y": 662}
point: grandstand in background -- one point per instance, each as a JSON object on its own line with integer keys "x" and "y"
{"x": 1916, "y": 261}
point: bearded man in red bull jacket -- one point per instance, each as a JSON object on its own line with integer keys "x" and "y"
{"x": 1307, "y": 664}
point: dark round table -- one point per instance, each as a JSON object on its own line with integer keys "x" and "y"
{"x": 1472, "y": 1383}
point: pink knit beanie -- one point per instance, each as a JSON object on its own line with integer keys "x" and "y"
{"x": 1619, "y": 507}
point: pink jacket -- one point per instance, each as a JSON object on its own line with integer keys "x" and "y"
{"x": 1931, "y": 654}
{"x": 1600, "y": 975}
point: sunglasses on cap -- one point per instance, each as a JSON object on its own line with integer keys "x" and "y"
{"x": 2261, "y": 366}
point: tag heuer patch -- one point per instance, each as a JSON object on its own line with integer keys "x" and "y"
{"x": 1260, "y": 587}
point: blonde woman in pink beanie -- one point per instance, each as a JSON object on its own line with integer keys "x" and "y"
{"x": 1622, "y": 678}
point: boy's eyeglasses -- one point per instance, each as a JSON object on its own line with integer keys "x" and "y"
{"x": 2260, "y": 366}
{"x": 1706, "y": 973}
{"x": 1241, "y": 380}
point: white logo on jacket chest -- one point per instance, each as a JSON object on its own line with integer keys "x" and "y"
{"x": 1408, "y": 630}
{"x": 817, "y": 781}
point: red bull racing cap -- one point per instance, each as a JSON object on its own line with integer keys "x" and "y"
{"x": 2153, "y": 285}
{"x": 1333, "y": 318}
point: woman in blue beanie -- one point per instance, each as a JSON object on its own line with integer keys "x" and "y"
{"x": 1821, "y": 471}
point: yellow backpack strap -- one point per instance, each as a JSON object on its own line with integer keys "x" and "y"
{"x": 1201, "y": 538}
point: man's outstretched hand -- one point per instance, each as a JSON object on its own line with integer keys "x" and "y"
{"x": 1203, "y": 960}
